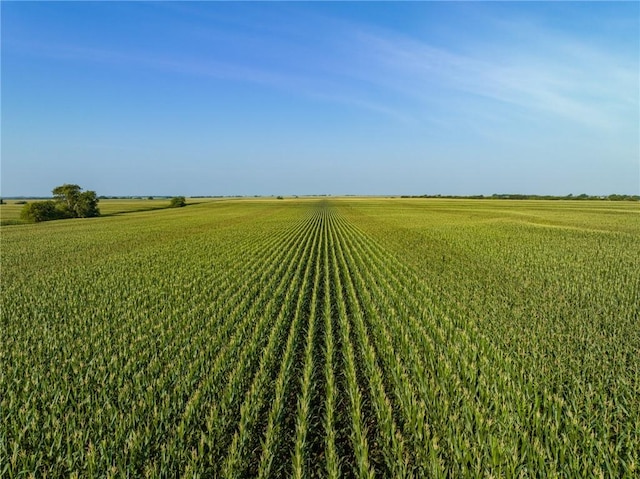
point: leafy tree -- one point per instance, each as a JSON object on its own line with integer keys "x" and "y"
{"x": 77, "y": 203}
{"x": 177, "y": 202}
{"x": 87, "y": 205}
{"x": 67, "y": 195}
{"x": 42, "y": 211}
{"x": 69, "y": 201}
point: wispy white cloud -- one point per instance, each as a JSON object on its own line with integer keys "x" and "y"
{"x": 398, "y": 76}
{"x": 512, "y": 95}
{"x": 313, "y": 79}
{"x": 566, "y": 78}
{"x": 552, "y": 74}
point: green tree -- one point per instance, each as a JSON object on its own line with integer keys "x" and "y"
{"x": 177, "y": 202}
{"x": 87, "y": 205}
{"x": 67, "y": 195}
{"x": 69, "y": 201}
{"x": 38, "y": 211}
{"x": 77, "y": 203}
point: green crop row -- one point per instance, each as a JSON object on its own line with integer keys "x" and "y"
{"x": 350, "y": 338}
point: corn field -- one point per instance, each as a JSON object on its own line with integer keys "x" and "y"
{"x": 324, "y": 338}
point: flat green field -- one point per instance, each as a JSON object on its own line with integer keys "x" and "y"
{"x": 324, "y": 338}
{"x": 10, "y": 212}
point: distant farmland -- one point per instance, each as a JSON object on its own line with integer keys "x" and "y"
{"x": 314, "y": 338}
{"x": 10, "y": 211}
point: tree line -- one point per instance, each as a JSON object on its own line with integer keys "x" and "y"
{"x": 516, "y": 196}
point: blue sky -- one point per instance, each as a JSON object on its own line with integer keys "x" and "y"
{"x": 204, "y": 98}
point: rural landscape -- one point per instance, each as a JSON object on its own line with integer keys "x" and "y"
{"x": 324, "y": 337}
{"x": 319, "y": 240}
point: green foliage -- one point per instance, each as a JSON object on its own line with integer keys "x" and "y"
{"x": 67, "y": 195}
{"x": 360, "y": 337}
{"x": 177, "y": 202}
{"x": 69, "y": 202}
{"x": 38, "y": 211}
{"x": 623, "y": 197}
{"x": 75, "y": 202}
{"x": 86, "y": 205}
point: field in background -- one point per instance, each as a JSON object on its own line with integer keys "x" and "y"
{"x": 116, "y": 206}
{"x": 10, "y": 212}
{"x": 341, "y": 338}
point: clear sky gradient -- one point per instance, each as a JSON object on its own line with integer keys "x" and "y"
{"x": 203, "y": 98}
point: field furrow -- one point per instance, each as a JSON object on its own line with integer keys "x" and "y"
{"x": 319, "y": 338}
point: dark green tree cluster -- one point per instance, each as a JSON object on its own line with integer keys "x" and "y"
{"x": 177, "y": 202}
{"x": 69, "y": 201}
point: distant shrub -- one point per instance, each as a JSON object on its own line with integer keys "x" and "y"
{"x": 280, "y": 198}
{"x": 42, "y": 211}
{"x": 177, "y": 202}
{"x": 21, "y": 202}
